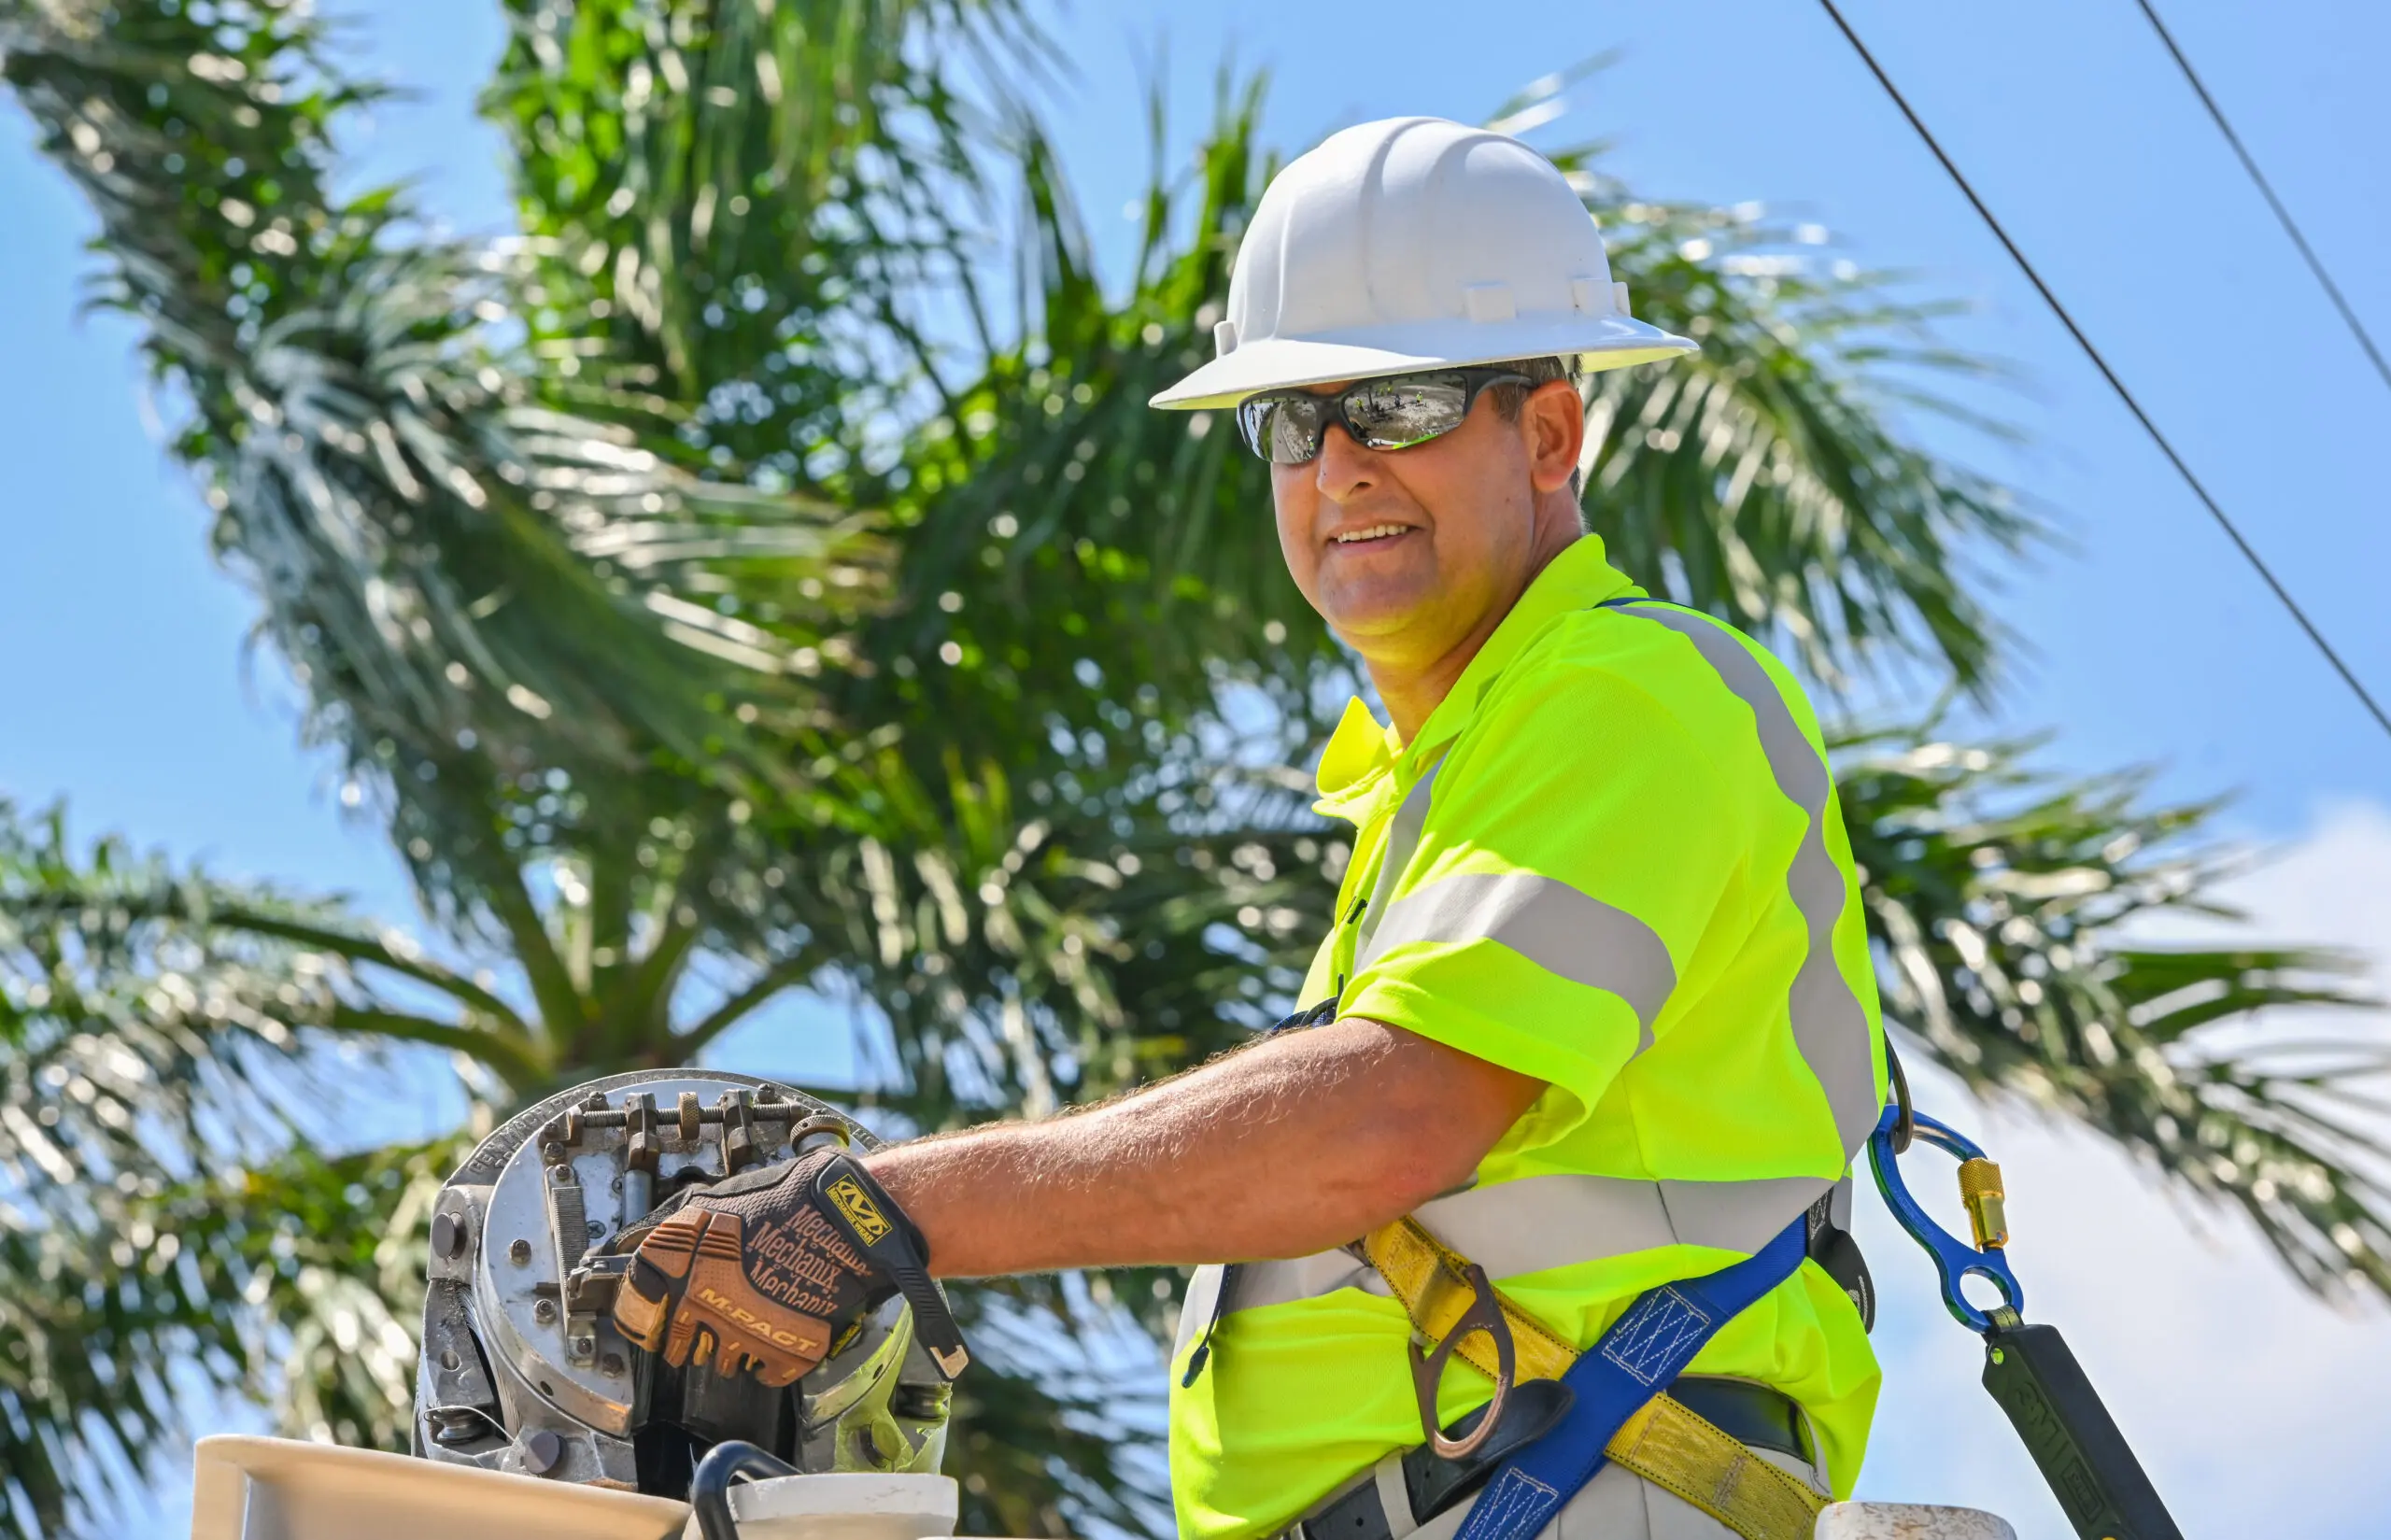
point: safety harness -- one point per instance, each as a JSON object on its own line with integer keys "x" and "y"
{"x": 1558, "y": 1416}
{"x": 1619, "y": 1407}
{"x": 1568, "y": 1412}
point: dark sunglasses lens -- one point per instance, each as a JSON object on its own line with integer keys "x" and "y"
{"x": 1284, "y": 431}
{"x": 1395, "y": 414}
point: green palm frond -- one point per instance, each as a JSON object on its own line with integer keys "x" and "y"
{"x": 133, "y": 1050}
{"x": 135, "y": 1038}
{"x": 446, "y": 555}
{"x": 636, "y": 126}
{"x": 1765, "y": 479}
{"x": 325, "y": 1257}
{"x": 90, "y": 1329}
{"x": 486, "y": 568}
{"x": 2002, "y": 904}
{"x": 1047, "y": 497}
{"x": 745, "y": 207}
{"x": 1769, "y": 479}
{"x": 196, "y": 977}
{"x": 1048, "y": 1438}
{"x": 1030, "y": 958}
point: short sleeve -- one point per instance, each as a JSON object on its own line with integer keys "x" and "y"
{"x": 1579, "y": 841}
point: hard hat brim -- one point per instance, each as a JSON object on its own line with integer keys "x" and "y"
{"x": 1276, "y": 363}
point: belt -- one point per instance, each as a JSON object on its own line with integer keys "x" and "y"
{"x": 1753, "y": 1415}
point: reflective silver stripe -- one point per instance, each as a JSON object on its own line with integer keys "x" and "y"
{"x": 1829, "y": 1022}
{"x": 1260, "y": 1283}
{"x": 1839, "y": 1211}
{"x": 1537, "y": 1224}
{"x": 1401, "y": 844}
{"x": 1567, "y": 933}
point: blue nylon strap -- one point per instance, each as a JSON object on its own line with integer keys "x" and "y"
{"x": 1640, "y": 1356}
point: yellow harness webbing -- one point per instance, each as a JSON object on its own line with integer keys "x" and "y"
{"x": 1663, "y": 1442}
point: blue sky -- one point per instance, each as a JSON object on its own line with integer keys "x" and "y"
{"x": 2151, "y": 644}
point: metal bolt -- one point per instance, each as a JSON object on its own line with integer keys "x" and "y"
{"x": 519, "y": 1253}
{"x": 542, "y": 1451}
{"x": 597, "y": 1230}
{"x": 583, "y": 1347}
{"x": 448, "y": 1234}
{"x": 544, "y": 1312}
{"x": 610, "y": 1365}
{"x": 456, "y": 1425}
{"x": 448, "y": 1359}
{"x": 552, "y": 1151}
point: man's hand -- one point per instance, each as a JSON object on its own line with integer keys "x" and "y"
{"x": 769, "y": 1269}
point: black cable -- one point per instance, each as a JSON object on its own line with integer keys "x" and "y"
{"x": 2266, "y": 190}
{"x": 710, "y": 1487}
{"x": 2249, "y": 554}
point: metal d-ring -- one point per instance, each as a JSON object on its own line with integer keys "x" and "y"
{"x": 1954, "y": 1260}
{"x": 1485, "y": 1314}
{"x": 1905, "y": 1128}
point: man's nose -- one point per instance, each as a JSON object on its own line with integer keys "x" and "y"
{"x": 1344, "y": 469}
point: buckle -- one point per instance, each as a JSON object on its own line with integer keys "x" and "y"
{"x": 1485, "y": 1314}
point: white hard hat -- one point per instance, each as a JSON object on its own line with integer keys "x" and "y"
{"x": 1415, "y": 243}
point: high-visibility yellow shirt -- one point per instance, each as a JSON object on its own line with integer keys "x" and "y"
{"x": 1611, "y": 860}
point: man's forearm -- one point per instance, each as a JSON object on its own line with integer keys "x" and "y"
{"x": 1294, "y": 1146}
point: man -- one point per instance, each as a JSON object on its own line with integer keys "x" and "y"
{"x": 1596, "y": 1011}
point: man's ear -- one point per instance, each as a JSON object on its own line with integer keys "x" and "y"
{"x": 1554, "y": 420}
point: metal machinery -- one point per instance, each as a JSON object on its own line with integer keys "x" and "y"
{"x": 522, "y": 1370}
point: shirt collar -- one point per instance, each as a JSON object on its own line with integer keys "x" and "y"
{"x": 1363, "y": 749}
{"x": 1354, "y": 764}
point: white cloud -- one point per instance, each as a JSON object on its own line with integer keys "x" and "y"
{"x": 2258, "y": 1408}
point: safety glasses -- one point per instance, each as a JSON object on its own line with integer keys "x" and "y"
{"x": 1285, "y": 427}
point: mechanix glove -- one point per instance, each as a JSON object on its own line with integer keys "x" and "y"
{"x": 776, "y": 1269}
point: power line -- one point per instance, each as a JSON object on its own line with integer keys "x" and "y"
{"x": 2249, "y": 553}
{"x": 2266, "y": 190}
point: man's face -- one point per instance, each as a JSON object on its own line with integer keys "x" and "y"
{"x": 1405, "y": 552}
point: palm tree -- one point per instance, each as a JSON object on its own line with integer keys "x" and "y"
{"x": 705, "y": 622}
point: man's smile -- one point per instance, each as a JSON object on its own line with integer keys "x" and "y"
{"x": 1376, "y": 532}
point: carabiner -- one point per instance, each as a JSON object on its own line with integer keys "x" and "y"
{"x": 1953, "y": 1260}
